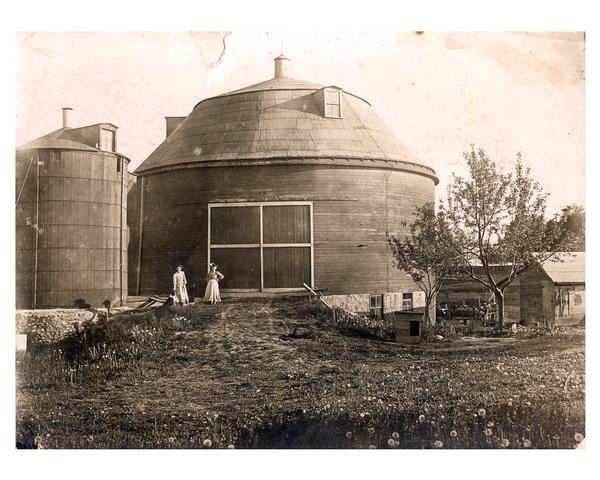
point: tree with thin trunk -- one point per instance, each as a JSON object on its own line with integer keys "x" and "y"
{"x": 499, "y": 220}
{"x": 424, "y": 254}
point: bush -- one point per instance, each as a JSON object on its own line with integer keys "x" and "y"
{"x": 93, "y": 352}
{"x": 363, "y": 326}
{"x": 443, "y": 328}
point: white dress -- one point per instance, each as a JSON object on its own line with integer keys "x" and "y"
{"x": 179, "y": 286}
{"x": 212, "y": 294}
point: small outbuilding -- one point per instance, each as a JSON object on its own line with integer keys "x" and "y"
{"x": 554, "y": 292}
{"x": 407, "y": 325}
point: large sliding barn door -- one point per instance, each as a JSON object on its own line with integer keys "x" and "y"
{"x": 262, "y": 246}
{"x": 235, "y": 245}
{"x": 286, "y": 246}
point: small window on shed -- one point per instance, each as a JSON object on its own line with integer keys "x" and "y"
{"x": 333, "y": 103}
{"x": 107, "y": 140}
{"x": 407, "y": 301}
{"x": 376, "y": 306}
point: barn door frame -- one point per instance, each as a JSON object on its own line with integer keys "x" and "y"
{"x": 261, "y": 245}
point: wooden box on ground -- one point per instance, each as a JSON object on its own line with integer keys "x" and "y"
{"x": 408, "y": 326}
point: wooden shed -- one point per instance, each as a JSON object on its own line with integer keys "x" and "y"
{"x": 280, "y": 183}
{"x": 71, "y": 230}
{"x": 472, "y": 294}
{"x": 547, "y": 294}
{"x": 553, "y": 293}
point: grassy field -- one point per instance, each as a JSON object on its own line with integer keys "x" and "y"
{"x": 276, "y": 374}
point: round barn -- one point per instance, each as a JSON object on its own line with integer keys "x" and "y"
{"x": 280, "y": 183}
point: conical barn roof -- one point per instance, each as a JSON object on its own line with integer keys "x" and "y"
{"x": 280, "y": 119}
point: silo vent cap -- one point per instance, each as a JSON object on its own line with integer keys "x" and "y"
{"x": 281, "y": 63}
{"x": 66, "y": 115}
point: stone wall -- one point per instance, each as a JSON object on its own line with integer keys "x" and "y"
{"x": 392, "y": 302}
{"x": 360, "y": 303}
{"x": 44, "y": 327}
{"x": 357, "y": 303}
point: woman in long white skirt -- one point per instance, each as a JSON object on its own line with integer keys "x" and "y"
{"x": 179, "y": 286}
{"x": 212, "y": 285}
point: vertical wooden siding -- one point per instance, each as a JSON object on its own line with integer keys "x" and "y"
{"x": 133, "y": 224}
{"x": 237, "y": 225}
{"x": 81, "y": 240}
{"x": 286, "y": 267}
{"x": 352, "y": 208}
{"x": 455, "y": 291}
{"x": 241, "y": 267}
{"x": 286, "y": 224}
{"x": 534, "y": 285}
{"x": 25, "y": 170}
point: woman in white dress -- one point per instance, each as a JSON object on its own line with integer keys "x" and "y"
{"x": 212, "y": 286}
{"x": 179, "y": 287}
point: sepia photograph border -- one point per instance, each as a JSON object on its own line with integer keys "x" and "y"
{"x": 278, "y": 16}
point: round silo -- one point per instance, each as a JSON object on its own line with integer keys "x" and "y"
{"x": 71, "y": 219}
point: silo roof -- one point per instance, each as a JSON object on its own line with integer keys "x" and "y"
{"x": 66, "y": 138}
{"x": 61, "y": 139}
{"x": 281, "y": 119}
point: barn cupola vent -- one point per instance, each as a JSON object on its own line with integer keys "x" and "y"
{"x": 66, "y": 114}
{"x": 281, "y": 64}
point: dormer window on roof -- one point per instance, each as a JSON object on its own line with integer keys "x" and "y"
{"x": 333, "y": 103}
{"x": 107, "y": 140}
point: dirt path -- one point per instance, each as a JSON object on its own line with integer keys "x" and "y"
{"x": 247, "y": 364}
{"x": 240, "y": 350}
{"x": 247, "y": 350}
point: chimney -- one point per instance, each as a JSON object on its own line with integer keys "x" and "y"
{"x": 281, "y": 63}
{"x": 66, "y": 117}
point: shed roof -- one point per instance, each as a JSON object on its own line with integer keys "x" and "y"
{"x": 570, "y": 268}
{"x": 281, "y": 118}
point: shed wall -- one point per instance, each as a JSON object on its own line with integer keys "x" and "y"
{"x": 457, "y": 291}
{"x": 574, "y": 312}
{"x": 537, "y": 297}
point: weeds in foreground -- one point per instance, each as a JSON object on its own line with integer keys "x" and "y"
{"x": 99, "y": 352}
{"x": 514, "y": 427}
{"x": 362, "y": 325}
{"x": 76, "y": 395}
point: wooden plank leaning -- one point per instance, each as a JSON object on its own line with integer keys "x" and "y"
{"x": 318, "y": 295}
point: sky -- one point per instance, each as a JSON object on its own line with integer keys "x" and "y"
{"x": 438, "y": 92}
